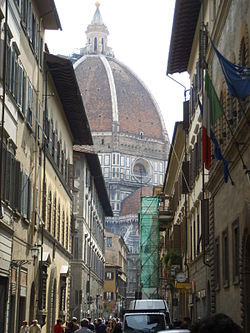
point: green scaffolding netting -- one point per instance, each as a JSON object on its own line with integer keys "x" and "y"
{"x": 149, "y": 242}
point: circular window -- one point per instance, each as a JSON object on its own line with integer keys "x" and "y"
{"x": 142, "y": 171}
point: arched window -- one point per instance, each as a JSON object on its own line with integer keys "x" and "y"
{"x": 102, "y": 45}
{"x": 95, "y": 45}
{"x": 58, "y": 222}
{"x": 67, "y": 233}
{"x": 49, "y": 217}
{"x": 63, "y": 228}
{"x": 54, "y": 216}
{"x": 44, "y": 204}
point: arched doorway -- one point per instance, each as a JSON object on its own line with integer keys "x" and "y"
{"x": 246, "y": 284}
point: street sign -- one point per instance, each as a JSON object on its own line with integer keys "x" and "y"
{"x": 183, "y": 285}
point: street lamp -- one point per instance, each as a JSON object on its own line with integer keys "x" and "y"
{"x": 35, "y": 252}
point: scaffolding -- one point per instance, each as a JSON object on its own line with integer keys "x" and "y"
{"x": 149, "y": 247}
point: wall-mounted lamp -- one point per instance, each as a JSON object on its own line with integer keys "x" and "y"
{"x": 35, "y": 252}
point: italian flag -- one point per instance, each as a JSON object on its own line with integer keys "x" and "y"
{"x": 212, "y": 111}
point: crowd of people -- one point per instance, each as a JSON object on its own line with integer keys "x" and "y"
{"x": 86, "y": 325}
{"x": 218, "y": 323}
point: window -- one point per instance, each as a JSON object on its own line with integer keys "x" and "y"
{"x": 217, "y": 263}
{"x": 191, "y": 243}
{"x": 106, "y": 172}
{"x": 122, "y": 161}
{"x": 236, "y": 251}
{"x": 128, "y": 161}
{"x": 54, "y": 216}
{"x": 194, "y": 238}
{"x": 109, "y": 275}
{"x": 95, "y": 45}
{"x": 107, "y": 160}
{"x": 58, "y": 222}
{"x": 109, "y": 241}
{"x": 30, "y": 105}
{"x": 225, "y": 259}
{"x": 108, "y": 295}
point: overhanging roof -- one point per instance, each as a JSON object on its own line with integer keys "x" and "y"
{"x": 184, "y": 24}
{"x": 64, "y": 78}
{"x": 48, "y": 13}
{"x": 96, "y": 171}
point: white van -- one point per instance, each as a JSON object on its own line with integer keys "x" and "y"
{"x": 154, "y": 305}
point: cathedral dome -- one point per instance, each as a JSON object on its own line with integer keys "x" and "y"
{"x": 112, "y": 93}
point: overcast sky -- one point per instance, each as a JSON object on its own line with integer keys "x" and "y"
{"x": 139, "y": 34}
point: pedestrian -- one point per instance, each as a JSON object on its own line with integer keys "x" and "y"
{"x": 109, "y": 325}
{"x": 72, "y": 326}
{"x": 25, "y": 327}
{"x": 35, "y": 327}
{"x": 186, "y": 323}
{"x": 218, "y": 323}
{"x": 118, "y": 326}
{"x": 100, "y": 327}
{"x": 58, "y": 326}
{"x": 84, "y": 327}
{"x": 91, "y": 325}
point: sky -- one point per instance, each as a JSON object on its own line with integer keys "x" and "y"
{"x": 139, "y": 34}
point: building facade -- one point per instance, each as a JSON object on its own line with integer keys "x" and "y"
{"x": 115, "y": 283}
{"x": 38, "y": 130}
{"x": 91, "y": 206}
{"x": 217, "y": 233}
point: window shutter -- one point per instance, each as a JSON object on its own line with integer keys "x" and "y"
{"x": 29, "y": 199}
{"x": 205, "y": 222}
{"x": 185, "y": 177}
{"x": 186, "y": 116}
{"x": 71, "y": 176}
{"x": 7, "y": 176}
{"x": 12, "y": 180}
{"x": 17, "y": 190}
{"x": 199, "y": 150}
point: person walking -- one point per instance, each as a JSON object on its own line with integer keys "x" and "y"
{"x": 72, "y": 326}
{"x": 58, "y": 326}
{"x": 100, "y": 327}
{"x": 84, "y": 327}
{"x": 25, "y": 327}
{"x": 34, "y": 327}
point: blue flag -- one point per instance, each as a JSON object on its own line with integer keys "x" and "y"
{"x": 237, "y": 77}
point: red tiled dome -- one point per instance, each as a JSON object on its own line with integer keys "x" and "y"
{"x": 112, "y": 92}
